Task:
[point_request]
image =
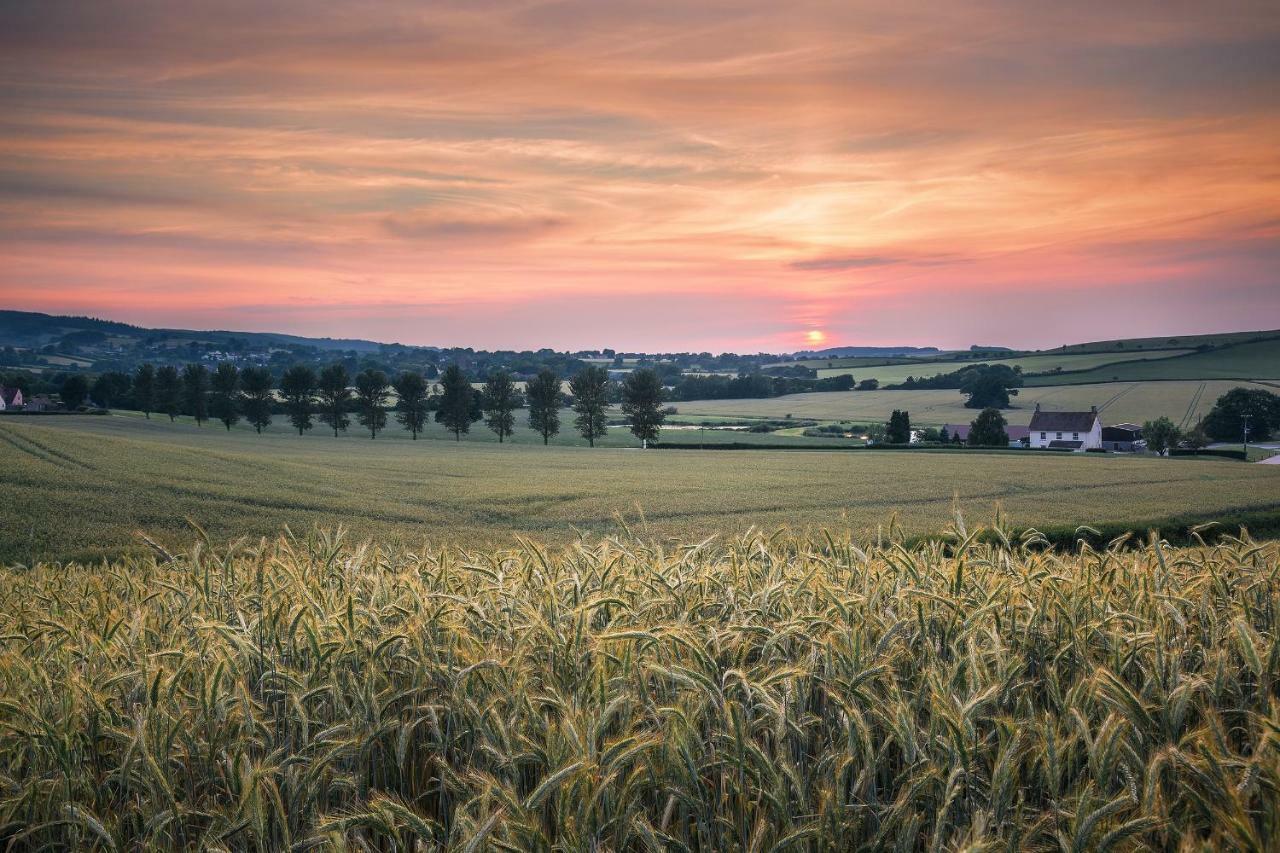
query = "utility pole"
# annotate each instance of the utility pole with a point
(1245, 419)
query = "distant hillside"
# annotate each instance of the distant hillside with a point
(855, 352)
(32, 329)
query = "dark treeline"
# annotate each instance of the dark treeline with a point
(335, 398)
(753, 385)
(985, 385)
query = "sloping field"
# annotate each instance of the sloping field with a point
(1183, 402)
(1259, 360)
(67, 491)
(1173, 341)
(895, 373)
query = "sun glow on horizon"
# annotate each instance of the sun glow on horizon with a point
(815, 336)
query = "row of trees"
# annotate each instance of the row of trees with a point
(228, 394)
(986, 430)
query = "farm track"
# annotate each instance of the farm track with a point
(1115, 397)
(1191, 407)
(43, 451)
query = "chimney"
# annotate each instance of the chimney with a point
(1037, 407)
(1093, 409)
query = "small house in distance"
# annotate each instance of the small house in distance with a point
(1122, 438)
(1018, 435)
(1076, 431)
(10, 398)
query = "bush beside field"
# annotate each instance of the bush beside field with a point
(764, 693)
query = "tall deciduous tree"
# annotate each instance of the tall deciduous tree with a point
(411, 405)
(144, 388)
(256, 396)
(109, 387)
(458, 408)
(989, 386)
(1160, 435)
(74, 391)
(169, 391)
(298, 388)
(590, 389)
(1226, 420)
(224, 402)
(372, 390)
(195, 392)
(898, 429)
(543, 395)
(988, 429)
(334, 397)
(500, 404)
(642, 404)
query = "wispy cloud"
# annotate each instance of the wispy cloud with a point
(758, 169)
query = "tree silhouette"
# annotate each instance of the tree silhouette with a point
(500, 403)
(590, 389)
(458, 402)
(411, 405)
(195, 392)
(224, 402)
(371, 400)
(256, 397)
(642, 404)
(144, 388)
(543, 395)
(169, 391)
(298, 388)
(334, 397)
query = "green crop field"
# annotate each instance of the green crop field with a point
(1172, 341)
(761, 694)
(1183, 402)
(81, 486)
(895, 373)
(1257, 360)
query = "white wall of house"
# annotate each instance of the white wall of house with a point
(1092, 438)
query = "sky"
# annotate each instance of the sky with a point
(727, 176)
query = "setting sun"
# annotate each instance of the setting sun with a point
(815, 336)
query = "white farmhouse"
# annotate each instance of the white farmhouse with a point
(1078, 431)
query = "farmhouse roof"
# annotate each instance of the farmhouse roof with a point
(1043, 421)
(1014, 431)
(8, 394)
(1121, 432)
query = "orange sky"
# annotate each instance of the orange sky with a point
(641, 175)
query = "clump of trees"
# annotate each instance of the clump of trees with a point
(985, 386)
(1226, 420)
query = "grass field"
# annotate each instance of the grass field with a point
(808, 694)
(1183, 402)
(896, 373)
(81, 486)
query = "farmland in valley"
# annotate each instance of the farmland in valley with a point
(1183, 402)
(895, 373)
(81, 486)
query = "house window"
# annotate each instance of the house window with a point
(1043, 436)
(1075, 436)
(1059, 435)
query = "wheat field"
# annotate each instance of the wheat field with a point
(761, 693)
